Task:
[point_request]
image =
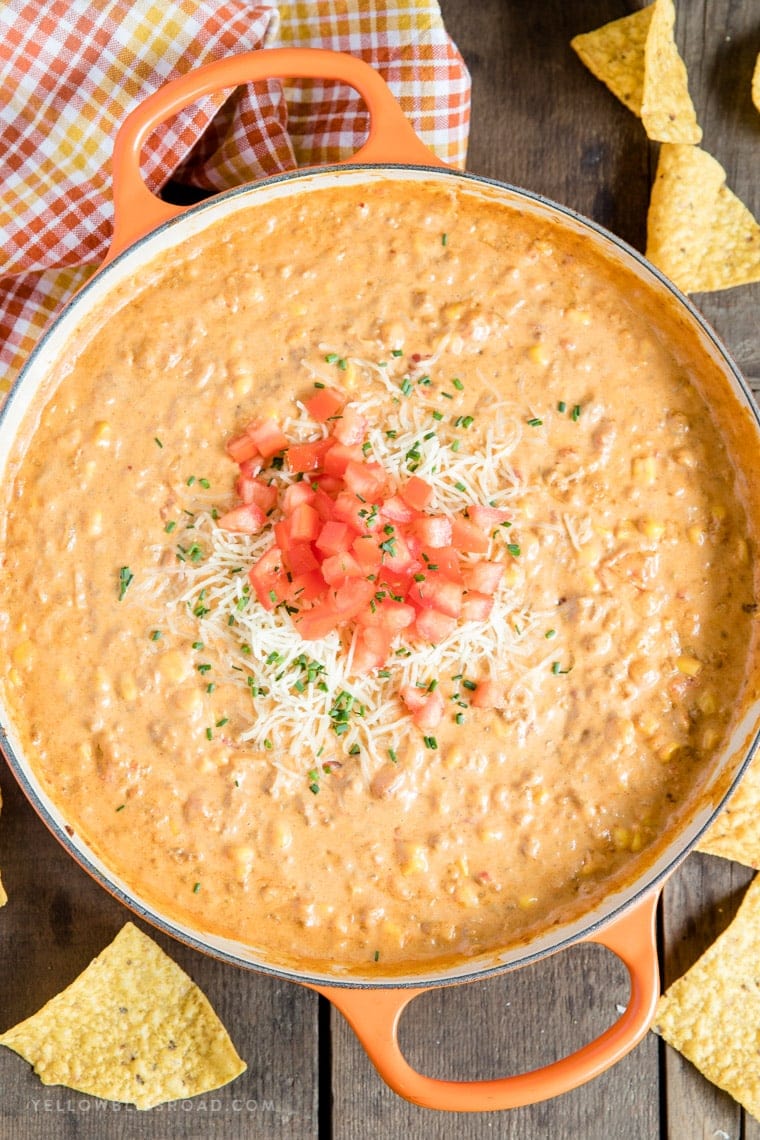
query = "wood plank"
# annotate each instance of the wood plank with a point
(505, 1025)
(56, 920)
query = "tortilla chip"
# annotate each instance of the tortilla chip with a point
(666, 108)
(615, 54)
(698, 232)
(638, 60)
(736, 832)
(712, 1014)
(756, 84)
(132, 1027)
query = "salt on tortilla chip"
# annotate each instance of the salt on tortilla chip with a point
(698, 232)
(735, 833)
(132, 1027)
(615, 54)
(637, 58)
(756, 83)
(712, 1014)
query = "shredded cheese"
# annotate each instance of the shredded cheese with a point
(299, 689)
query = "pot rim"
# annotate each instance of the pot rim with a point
(619, 901)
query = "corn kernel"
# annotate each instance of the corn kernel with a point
(648, 723)
(589, 553)
(706, 702)
(653, 529)
(636, 842)
(242, 384)
(488, 835)
(685, 457)
(581, 317)
(539, 354)
(526, 902)
(644, 469)
(710, 739)
(621, 837)
(96, 524)
(173, 666)
(467, 895)
(718, 511)
(23, 654)
(453, 312)
(463, 864)
(282, 836)
(696, 535)
(101, 680)
(590, 581)
(416, 860)
(689, 666)
(668, 751)
(350, 377)
(14, 677)
(101, 433)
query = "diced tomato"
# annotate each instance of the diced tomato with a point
(316, 622)
(251, 467)
(476, 607)
(330, 484)
(488, 695)
(301, 558)
(437, 593)
(446, 562)
(268, 437)
(352, 510)
(365, 479)
(334, 537)
(487, 517)
(306, 587)
(466, 536)
(388, 614)
(296, 494)
(305, 524)
(367, 553)
(351, 427)
(323, 505)
(371, 648)
(483, 576)
(432, 626)
(337, 568)
(282, 534)
(395, 510)
(339, 456)
(324, 403)
(254, 491)
(248, 519)
(397, 556)
(433, 530)
(301, 457)
(427, 708)
(417, 493)
(353, 596)
(242, 448)
(268, 578)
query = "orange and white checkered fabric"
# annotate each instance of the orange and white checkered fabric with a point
(71, 70)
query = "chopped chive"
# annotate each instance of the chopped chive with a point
(342, 364)
(155, 635)
(550, 633)
(438, 416)
(576, 413)
(125, 578)
(432, 686)
(397, 352)
(444, 239)
(268, 744)
(471, 685)
(513, 549)
(406, 386)
(196, 888)
(562, 406)
(198, 645)
(458, 384)
(210, 687)
(447, 395)
(121, 807)
(157, 441)
(456, 445)
(318, 384)
(460, 487)
(331, 358)
(221, 723)
(377, 952)
(392, 754)
(354, 750)
(170, 526)
(430, 742)
(459, 718)
(203, 668)
(191, 480)
(419, 577)
(209, 734)
(535, 422)
(204, 483)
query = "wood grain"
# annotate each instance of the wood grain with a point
(540, 121)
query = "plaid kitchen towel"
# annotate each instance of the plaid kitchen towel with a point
(71, 70)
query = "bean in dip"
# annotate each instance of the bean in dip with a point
(378, 588)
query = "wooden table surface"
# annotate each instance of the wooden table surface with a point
(542, 122)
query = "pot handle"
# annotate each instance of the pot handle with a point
(374, 1015)
(391, 139)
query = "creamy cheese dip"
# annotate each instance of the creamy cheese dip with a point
(622, 628)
